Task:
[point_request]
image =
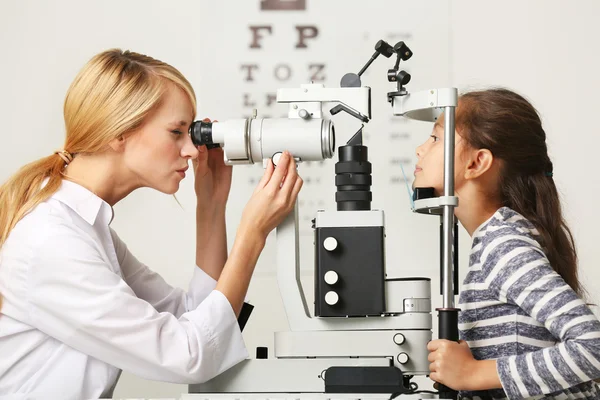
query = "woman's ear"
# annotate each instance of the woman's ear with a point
(478, 163)
(117, 144)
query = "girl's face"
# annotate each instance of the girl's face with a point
(158, 153)
(429, 171)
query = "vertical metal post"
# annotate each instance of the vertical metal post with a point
(448, 314)
(448, 216)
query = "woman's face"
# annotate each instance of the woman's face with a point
(158, 152)
(429, 171)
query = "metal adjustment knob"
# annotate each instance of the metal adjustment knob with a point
(399, 338)
(331, 277)
(330, 244)
(402, 358)
(331, 298)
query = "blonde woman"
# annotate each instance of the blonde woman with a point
(77, 306)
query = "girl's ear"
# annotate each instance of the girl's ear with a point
(478, 163)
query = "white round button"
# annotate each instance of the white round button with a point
(399, 338)
(331, 298)
(303, 114)
(276, 158)
(402, 358)
(330, 244)
(331, 277)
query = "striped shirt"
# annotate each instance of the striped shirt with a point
(518, 310)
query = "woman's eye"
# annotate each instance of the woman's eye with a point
(177, 132)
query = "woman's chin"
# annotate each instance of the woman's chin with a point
(171, 188)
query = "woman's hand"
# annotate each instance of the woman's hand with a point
(452, 364)
(212, 185)
(213, 178)
(273, 198)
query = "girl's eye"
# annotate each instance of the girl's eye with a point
(435, 138)
(177, 132)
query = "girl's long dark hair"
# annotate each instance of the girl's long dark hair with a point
(505, 123)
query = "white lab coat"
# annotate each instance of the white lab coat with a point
(79, 308)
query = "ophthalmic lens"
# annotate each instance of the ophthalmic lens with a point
(201, 134)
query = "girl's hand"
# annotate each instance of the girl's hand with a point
(451, 364)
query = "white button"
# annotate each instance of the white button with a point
(332, 298)
(399, 338)
(330, 244)
(303, 114)
(276, 158)
(331, 277)
(402, 358)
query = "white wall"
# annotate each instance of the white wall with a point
(544, 49)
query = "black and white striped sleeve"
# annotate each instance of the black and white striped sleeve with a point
(519, 273)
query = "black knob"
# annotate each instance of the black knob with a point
(403, 77)
(403, 51)
(383, 48)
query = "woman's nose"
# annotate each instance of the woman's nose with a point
(189, 150)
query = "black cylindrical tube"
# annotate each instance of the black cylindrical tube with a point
(353, 179)
(448, 324)
(448, 329)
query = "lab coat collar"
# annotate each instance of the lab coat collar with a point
(84, 202)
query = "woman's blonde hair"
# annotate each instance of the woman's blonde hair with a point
(111, 96)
